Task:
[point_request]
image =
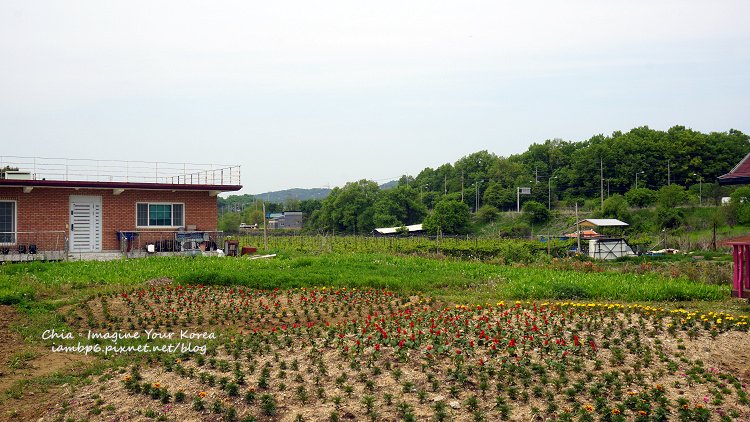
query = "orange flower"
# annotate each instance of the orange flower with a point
(642, 412)
(589, 408)
(615, 411)
(202, 394)
(156, 385)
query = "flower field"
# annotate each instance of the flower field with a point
(330, 354)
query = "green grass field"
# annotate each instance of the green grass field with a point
(445, 278)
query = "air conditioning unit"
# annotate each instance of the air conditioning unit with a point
(16, 175)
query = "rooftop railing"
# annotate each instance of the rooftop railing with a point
(85, 170)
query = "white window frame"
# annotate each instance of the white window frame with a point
(148, 210)
(15, 223)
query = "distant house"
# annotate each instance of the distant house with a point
(393, 231)
(55, 207)
(740, 174)
(285, 220)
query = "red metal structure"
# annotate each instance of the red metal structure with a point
(741, 275)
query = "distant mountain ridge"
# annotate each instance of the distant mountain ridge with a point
(295, 193)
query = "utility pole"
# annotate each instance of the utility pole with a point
(476, 199)
(462, 186)
(265, 232)
(601, 176)
(549, 192)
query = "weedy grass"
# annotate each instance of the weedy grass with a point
(442, 278)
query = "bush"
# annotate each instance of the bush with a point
(671, 196)
(641, 197)
(449, 216)
(669, 218)
(535, 212)
(616, 207)
(487, 214)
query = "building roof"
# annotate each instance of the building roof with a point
(77, 184)
(602, 222)
(739, 175)
(584, 233)
(394, 230)
(32, 172)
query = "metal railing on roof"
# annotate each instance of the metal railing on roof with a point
(86, 170)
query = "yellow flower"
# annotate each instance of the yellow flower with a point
(156, 385)
(127, 378)
(589, 408)
(615, 411)
(202, 394)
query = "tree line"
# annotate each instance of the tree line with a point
(636, 164)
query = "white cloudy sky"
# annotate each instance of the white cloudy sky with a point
(309, 94)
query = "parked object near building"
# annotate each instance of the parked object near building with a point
(69, 208)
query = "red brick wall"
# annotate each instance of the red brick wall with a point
(47, 209)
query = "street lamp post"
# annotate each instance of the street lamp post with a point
(700, 189)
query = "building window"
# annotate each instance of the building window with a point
(7, 221)
(160, 215)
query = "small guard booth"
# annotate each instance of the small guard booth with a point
(605, 246)
(741, 273)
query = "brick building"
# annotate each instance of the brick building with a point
(51, 212)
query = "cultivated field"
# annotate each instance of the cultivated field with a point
(366, 337)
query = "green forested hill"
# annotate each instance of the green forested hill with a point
(559, 173)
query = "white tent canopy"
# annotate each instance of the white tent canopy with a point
(392, 230)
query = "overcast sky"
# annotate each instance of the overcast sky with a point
(318, 93)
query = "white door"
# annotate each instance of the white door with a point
(85, 223)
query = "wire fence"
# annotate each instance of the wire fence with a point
(73, 169)
(33, 245)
